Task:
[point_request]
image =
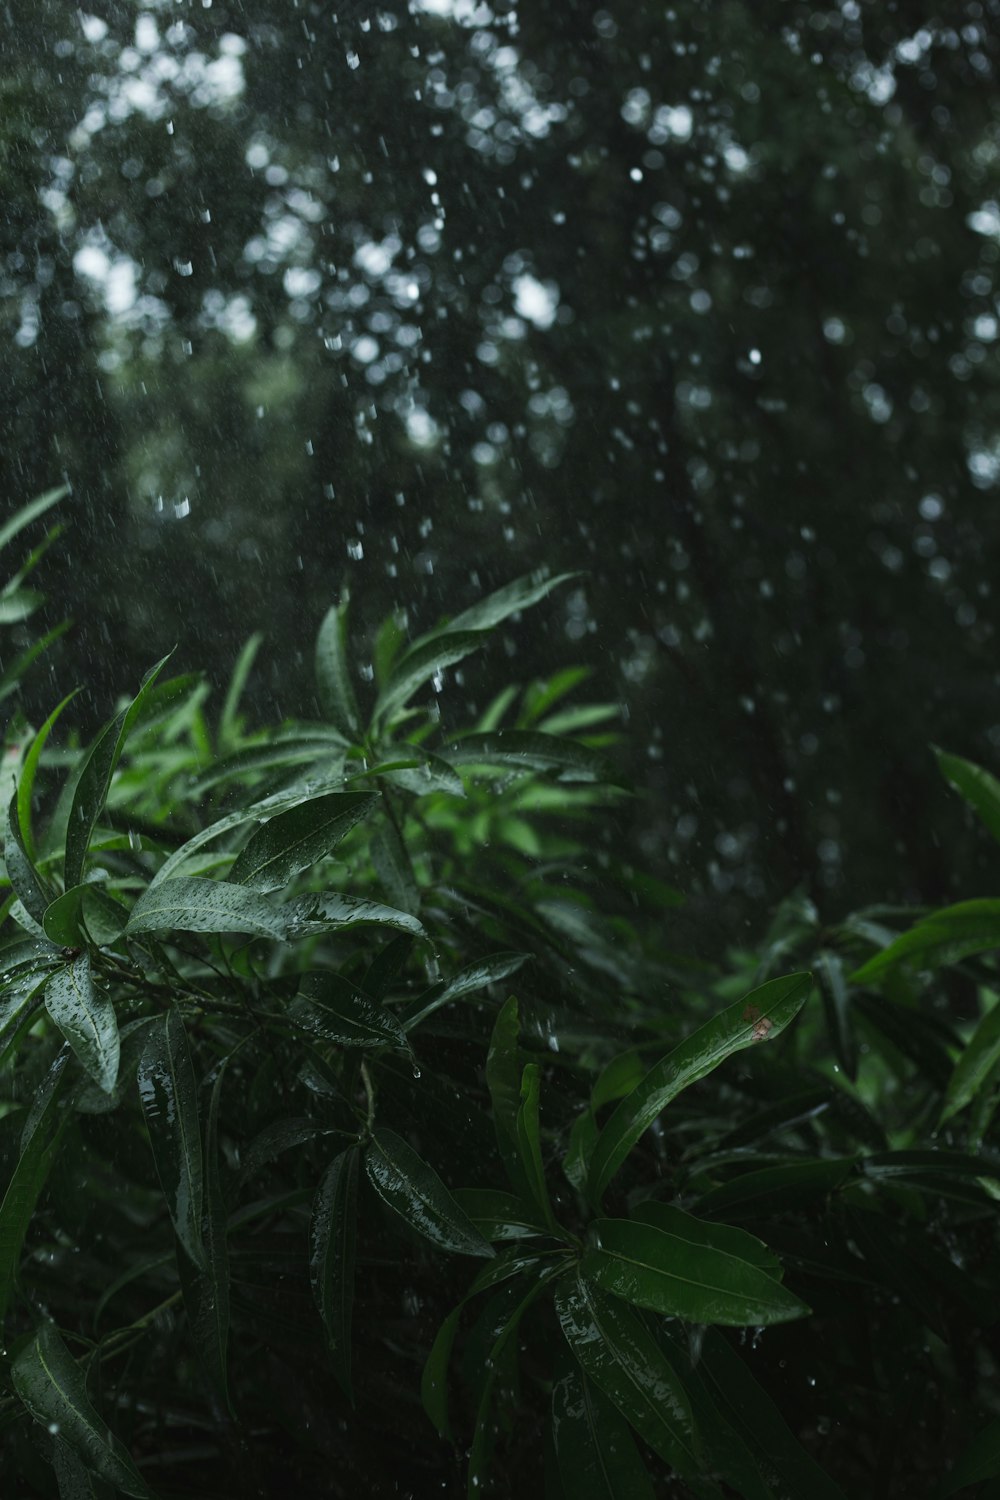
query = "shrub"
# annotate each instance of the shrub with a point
(363, 1133)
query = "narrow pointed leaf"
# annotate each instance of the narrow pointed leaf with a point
(26, 782)
(86, 1018)
(39, 1143)
(20, 871)
(228, 735)
(757, 1018)
(169, 1094)
(975, 1065)
(328, 911)
(414, 1190)
(785, 1186)
(84, 914)
(681, 1276)
(703, 1232)
(945, 937)
(94, 783)
(331, 1261)
(333, 678)
(598, 1459)
(837, 1005)
(295, 840)
(504, 602)
(52, 1386)
(206, 1291)
(331, 1007)
(423, 662)
(976, 785)
(618, 1355)
(503, 1078)
(395, 869)
(532, 750)
(475, 977)
(499, 1215)
(529, 1143)
(190, 903)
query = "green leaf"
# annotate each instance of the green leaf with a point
(395, 869)
(499, 1215)
(30, 512)
(978, 787)
(503, 1078)
(422, 662)
(331, 1261)
(333, 678)
(228, 730)
(526, 750)
(787, 1186)
(700, 1232)
(190, 903)
(52, 1386)
(529, 1143)
(467, 981)
(86, 1018)
(39, 1143)
(169, 1094)
(980, 1057)
(760, 1016)
(482, 1438)
(598, 1459)
(328, 911)
(95, 779)
(84, 914)
(414, 1190)
(680, 1273)
(20, 871)
(294, 840)
(580, 1150)
(981, 1460)
(945, 937)
(206, 1290)
(504, 602)
(624, 1361)
(780, 1457)
(837, 1006)
(333, 1008)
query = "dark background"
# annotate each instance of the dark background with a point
(699, 298)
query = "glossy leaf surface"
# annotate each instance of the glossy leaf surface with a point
(295, 840)
(332, 1237)
(414, 1190)
(681, 1274)
(190, 903)
(52, 1386)
(169, 1094)
(598, 1459)
(86, 1018)
(775, 1005)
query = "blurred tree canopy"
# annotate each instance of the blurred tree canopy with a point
(699, 298)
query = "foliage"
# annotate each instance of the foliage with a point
(361, 1132)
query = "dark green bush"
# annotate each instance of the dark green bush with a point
(363, 1134)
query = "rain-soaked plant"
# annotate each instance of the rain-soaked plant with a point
(363, 1135)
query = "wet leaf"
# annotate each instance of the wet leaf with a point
(414, 1190)
(680, 1273)
(331, 1007)
(26, 781)
(326, 911)
(477, 976)
(977, 786)
(529, 1144)
(771, 1188)
(531, 750)
(499, 1215)
(52, 1386)
(504, 602)
(295, 840)
(623, 1360)
(94, 783)
(39, 1144)
(331, 1261)
(421, 663)
(975, 1065)
(945, 937)
(598, 1459)
(168, 1090)
(333, 678)
(86, 1018)
(190, 903)
(774, 1004)
(20, 871)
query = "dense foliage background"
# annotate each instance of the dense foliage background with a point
(417, 297)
